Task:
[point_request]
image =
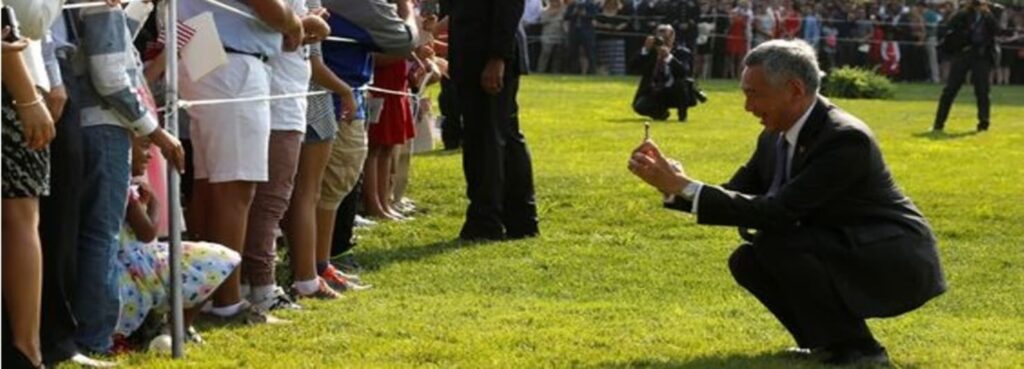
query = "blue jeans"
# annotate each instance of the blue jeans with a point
(107, 151)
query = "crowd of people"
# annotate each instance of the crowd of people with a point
(85, 153)
(899, 38)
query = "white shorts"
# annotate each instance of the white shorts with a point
(230, 141)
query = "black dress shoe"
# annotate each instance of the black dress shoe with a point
(478, 236)
(803, 353)
(858, 357)
(797, 352)
(521, 235)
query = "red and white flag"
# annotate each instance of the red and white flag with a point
(185, 34)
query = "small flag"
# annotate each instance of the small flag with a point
(185, 34)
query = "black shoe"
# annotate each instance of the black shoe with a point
(797, 352)
(682, 116)
(347, 263)
(803, 353)
(482, 230)
(470, 234)
(850, 356)
(662, 116)
(982, 126)
(521, 235)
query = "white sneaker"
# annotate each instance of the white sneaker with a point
(89, 362)
(276, 299)
(361, 222)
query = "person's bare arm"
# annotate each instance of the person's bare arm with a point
(281, 18)
(34, 116)
(143, 215)
(155, 68)
(323, 76)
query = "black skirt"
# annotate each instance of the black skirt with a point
(26, 172)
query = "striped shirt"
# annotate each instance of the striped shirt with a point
(109, 70)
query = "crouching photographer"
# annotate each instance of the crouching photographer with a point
(667, 81)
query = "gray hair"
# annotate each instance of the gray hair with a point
(785, 59)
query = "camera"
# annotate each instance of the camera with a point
(659, 41)
(700, 96)
(430, 7)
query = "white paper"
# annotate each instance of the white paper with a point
(374, 105)
(205, 52)
(33, 57)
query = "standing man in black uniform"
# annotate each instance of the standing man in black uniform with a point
(970, 43)
(487, 57)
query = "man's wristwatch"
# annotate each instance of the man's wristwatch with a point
(690, 191)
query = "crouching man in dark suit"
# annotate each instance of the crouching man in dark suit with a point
(836, 241)
(665, 68)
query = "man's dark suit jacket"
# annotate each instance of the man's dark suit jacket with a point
(487, 28)
(678, 95)
(961, 25)
(841, 204)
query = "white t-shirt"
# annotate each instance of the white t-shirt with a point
(290, 73)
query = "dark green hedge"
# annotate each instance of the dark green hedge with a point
(857, 83)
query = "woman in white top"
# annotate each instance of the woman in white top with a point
(552, 37)
(764, 24)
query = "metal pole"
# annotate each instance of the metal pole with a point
(173, 180)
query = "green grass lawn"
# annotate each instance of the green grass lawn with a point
(616, 281)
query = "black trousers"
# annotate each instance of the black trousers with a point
(344, 223)
(58, 229)
(796, 287)
(451, 126)
(979, 66)
(496, 162)
(656, 105)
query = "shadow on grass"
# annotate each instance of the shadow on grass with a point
(377, 259)
(440, 153)
(737, 361)
(639, 120)
(943, 135)
(629, 120)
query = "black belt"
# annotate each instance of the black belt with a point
(261, 57)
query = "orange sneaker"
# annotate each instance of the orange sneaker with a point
(341, 281)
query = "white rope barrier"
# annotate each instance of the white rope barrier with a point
(341, 39)
(185, 104)
(387, 92)
(233, 10)
(253, 17)
(88, 5)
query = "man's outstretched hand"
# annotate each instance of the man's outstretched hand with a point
(647, 163)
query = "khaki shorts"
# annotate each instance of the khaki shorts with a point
(348, 153)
